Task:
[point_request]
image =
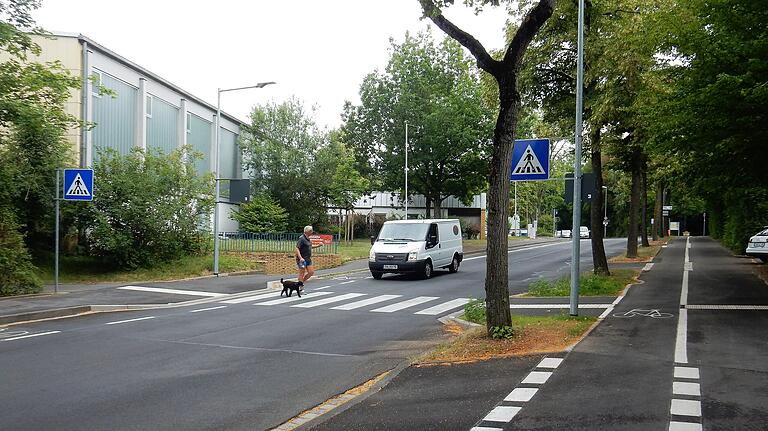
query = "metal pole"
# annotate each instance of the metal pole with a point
(605, 213)
(704, 233)
(575, 234)
(406, 170)
(216, 176)
(56, 254)
(516, 217)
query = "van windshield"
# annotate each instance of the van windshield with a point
(403, 232)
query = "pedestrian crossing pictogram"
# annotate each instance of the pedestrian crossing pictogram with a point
(529, 163)
(78, 187)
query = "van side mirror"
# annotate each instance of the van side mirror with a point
(373, 239)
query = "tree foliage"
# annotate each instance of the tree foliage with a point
(148, 207)
(435, 89)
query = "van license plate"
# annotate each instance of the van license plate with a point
(390, 266)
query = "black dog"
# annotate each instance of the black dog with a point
(289, 286)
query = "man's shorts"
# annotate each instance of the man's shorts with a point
(301, 265)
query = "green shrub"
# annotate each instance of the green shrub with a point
(590, 284)
(262, 215)
(17, 273)
(147, 208)
(474, 311)
(502, 332)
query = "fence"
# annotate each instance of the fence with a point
(269, 243)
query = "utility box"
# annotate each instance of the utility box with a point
(587, 187)
(240, 191)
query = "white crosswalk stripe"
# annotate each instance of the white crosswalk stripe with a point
(442, 308)
(294, 298)
(365, 302)
(329, 300)
(405, 304)
(251, 298)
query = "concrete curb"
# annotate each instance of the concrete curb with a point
(55, 313)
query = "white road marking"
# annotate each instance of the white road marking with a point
(537, 377)
(251, 298)
(364, 302)
(727, 307)
(347, 282)
(522, 395)
(39, 334)
(173, 291)
(442, 308)
(685, 408)
(485, 429)
(405, 304)
(208, 309)
(293, 298)
(681, 343)
(502, 414)
(130, 320)
(545, 306)
(550, 363)
(329, 300)
(684, 291)
(648, 266)
(517, 250)
(688, 266)
(321, 288)
(686, 373)
(686, 388)
(684, 426)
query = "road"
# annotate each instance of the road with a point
(251, 363)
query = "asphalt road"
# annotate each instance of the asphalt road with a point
(247, 364)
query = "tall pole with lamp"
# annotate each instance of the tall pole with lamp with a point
(218, 165)
(576, 246)
(406, 170)
(605, 212)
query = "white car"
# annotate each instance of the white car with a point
(758, 245)
(584, 232)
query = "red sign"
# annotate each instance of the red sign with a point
(318, 239)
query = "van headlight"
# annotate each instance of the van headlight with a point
(412, 255)
(371, 256)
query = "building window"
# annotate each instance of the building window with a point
(97, 78)
(149, 106)
(189, 122)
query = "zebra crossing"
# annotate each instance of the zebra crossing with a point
(320, 298)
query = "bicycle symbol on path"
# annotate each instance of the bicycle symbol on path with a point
(4, 333)
(653, 313)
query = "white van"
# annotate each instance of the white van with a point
(416, 246)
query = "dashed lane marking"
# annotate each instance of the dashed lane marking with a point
(129, 320)
(208, 309)
(39, 334)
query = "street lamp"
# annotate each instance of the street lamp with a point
(218, 164)
(605, 214)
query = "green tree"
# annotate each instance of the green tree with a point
(148, 207)
(262, 215)
(347, 185)
(280, 149)
(505, 71)
(435, 89)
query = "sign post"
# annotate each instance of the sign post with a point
(78, 186)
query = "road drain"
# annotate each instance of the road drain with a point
(330, 404)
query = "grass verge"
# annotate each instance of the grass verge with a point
(89, 270)
(590, 284)
(644, 254)
(532, 334)
(357, 249)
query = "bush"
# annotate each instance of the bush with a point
(262, 215)
(147, 208)
(469, 230)
(17, 273)
(474, 311)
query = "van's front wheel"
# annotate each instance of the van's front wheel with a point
(454, 264)
(427, 270)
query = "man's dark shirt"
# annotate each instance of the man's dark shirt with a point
(305, 246)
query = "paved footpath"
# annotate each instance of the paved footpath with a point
(683, 351)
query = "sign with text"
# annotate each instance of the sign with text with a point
(318, 239)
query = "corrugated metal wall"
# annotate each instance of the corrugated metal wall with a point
(115, 117)
(162, 127)
(229, 154)
(199, 139)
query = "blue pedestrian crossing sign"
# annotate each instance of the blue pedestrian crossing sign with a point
(530, 160)
(78, 184)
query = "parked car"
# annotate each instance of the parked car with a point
(758, 245)
(416, 246)
(565, 233)
(584, 232)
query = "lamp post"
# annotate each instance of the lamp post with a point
(406, 170)
(576, 221)
(218, 164)
(605, 213)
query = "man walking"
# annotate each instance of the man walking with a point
(304, 255)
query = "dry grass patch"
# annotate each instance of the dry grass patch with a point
(644, 254)
(532, 335)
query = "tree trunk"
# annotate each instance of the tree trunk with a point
(644, 215)
(657, 233)
(428, 207)
(438, 207)
(599, 260)
(634, 205)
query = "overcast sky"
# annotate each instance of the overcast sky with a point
(319, 51)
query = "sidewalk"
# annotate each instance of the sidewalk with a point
(74, 299)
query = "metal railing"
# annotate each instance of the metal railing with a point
(245, 242)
